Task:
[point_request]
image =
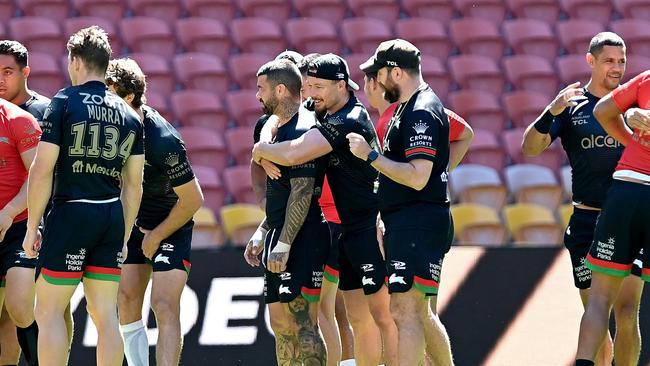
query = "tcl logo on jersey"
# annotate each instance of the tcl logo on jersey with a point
(599, 141)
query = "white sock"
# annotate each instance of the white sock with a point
(136, 345)
(349, 362)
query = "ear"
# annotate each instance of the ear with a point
(590, 59)
(129, 98)
(280, 89)
(26, 70)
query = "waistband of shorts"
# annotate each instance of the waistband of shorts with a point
(83, 200)
(586, 212)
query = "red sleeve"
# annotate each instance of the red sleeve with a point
(26, 132)
(626, 96)
(456, 125)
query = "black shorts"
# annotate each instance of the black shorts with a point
(173, 253)
(415, 247)
(331, 271)
(11, 250)
(622, 231)
(304, 272)
(362, 265)
(82, 239)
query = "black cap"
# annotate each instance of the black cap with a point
(393, 53)
(292, 56)
(331, 67)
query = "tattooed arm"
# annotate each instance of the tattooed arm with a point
(302, 189)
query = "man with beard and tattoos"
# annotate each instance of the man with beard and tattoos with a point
(296, 240)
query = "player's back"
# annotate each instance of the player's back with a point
(96, 132)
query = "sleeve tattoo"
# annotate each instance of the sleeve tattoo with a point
(297, 208)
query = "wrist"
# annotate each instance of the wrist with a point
(281, 247)
(544, 122)
(372, 156)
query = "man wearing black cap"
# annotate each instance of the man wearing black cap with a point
(353, 186)
(412, 198)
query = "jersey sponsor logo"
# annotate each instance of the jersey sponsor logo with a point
(103, 109)
(98, 169)
(285, 276)
(172, 159)
(78, 166)
(161, 258)
(30, 130)
(74, 262)
(4, 140)
(284, 290)
(420, 127)
(21, 254)
(605, 250)
(167, 247)
(444, 177)
(591, 142)
(365, 281)
(367, 267)
(398, 265)
(396, 279)
(179, 170)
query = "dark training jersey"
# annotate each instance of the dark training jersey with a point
(166, 167)
(351, 179)
(419, 129)
(593, 154)
(278, 190)
(96, 132)
(36, 106)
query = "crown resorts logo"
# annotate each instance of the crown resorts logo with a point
(172, 160)
(420, 127)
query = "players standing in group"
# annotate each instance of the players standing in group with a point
(93, 141)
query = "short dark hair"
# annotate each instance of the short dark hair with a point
(126, 77)
(303, 65)
(371, 75)
(603, 39)
(282, 72)
(92, 47)
(17, 50)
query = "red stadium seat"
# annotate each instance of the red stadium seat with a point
(428, 35)
(534, 73)
(523, 106)
(639, 9)
(575, 34)
(332, 10)
(45, 75)
(238, 182)
(492, 10)
(547, 11)
(149, 35)
(72, 25)
(199, 109)
(258, 35)
(166, 10)
(244, 107)
(596, 10)
(573, 68)
(477, 36)
(486, 150)
(636, 34)
(309, 35)
(354, 60)
(635, 65)
(57, 10)
(8, 10)
(111, 10)
(221, 10)
(214, 193)
(204, 35)
(275, 10)
(3, 31)
(552, 157)
(202, 71)
(159, 102)
(480, 108)
(205, 146)
(240, 143)
(531, 37)
(436, 75)
(477, 72)
(243, 68)
(440, 10)
(38, 34)
(159, 75)
(365, 34)
(386, 10)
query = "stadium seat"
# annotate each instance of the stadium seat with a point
(214, 193)
(573, 68)
(480, 108)
(477, 72)
(148, 35)
(486, 150)
(244, 107)
(159, 102)
(331, 10)
(275, 10)
(238, 182)
(523, 106)
(440, 10)
(566, 179)
(635, 33)
(258, 35)
(8, 10)
(575, 34)
(492, 10)
(364, 34)
(552, 157)
(38, 34)
(533, 73)
(111, 10)
(239, 141)
(160, 78)
(435, 74)
(536, 184)
(73, 24)
(309, 35)
(634, 65)
(428, 35)
(243, 68)
(240, 221)
(639, 9)
(596, 10)
(478, 225)
(386, 10)
(166, 10)
(532, 225)
(565, 211)
(202, 71)
(57, 10)
(531, 37)
(354, 60)
(205, 147)
(199, 109)
(45, 75)
(473, 183)
(206, 232)
(477, 36)
(204, 35)
(547, 11)
(221, 10)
